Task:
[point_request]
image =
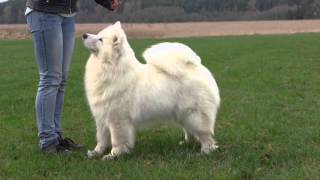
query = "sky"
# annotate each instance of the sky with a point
(3, 1)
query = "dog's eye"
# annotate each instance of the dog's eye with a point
(101, 40)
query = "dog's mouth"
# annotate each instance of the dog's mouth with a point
(90, 44)
(90, 47)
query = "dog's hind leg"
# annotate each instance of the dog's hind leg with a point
(122, 139)
(200, 125)
(103, 141)
(208, 144)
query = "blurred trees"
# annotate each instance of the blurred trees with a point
(180, 10)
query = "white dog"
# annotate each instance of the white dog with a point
(123, 93)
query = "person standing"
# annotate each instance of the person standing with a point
(52, 25)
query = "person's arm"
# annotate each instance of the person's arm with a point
(109, 4)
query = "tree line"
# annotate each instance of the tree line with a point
(180, 10)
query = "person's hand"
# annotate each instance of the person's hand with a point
(109, 4)
(115, 4)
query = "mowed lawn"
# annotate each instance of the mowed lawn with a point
(268, 125)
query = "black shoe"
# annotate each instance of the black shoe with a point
(55, 149)
(69, 144)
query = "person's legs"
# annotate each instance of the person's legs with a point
(68, 33)
(48, 42)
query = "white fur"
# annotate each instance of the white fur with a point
(171, 57)
(124, 94)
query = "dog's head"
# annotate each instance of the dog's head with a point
(107, 44)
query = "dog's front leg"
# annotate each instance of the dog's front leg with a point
(187, 138)
(122, 139)
(103, 141)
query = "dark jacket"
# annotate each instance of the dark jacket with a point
(61, 6)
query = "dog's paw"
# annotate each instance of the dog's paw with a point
(207, 149)
(109, 157)
(183, 142)
(187, 141)
(92, 154)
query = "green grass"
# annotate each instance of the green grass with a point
(268, 126)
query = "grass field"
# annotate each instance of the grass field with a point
(268, 126)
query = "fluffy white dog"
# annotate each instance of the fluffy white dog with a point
(123, 93)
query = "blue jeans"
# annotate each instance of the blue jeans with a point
(53, 37)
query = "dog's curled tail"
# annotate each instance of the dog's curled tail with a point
(173, 58)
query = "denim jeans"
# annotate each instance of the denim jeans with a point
(53, 37)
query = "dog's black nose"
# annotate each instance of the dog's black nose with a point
(85, 36)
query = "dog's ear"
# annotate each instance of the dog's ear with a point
(118, 36)
(117, 25)
(116, 41)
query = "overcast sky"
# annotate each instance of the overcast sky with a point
(3, 1)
